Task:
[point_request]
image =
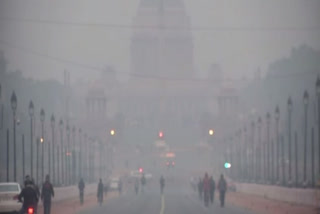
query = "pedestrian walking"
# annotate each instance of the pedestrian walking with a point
(100, 192)
(222, 186)
(47, 193)
(212, 189)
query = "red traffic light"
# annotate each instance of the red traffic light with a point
(140, 170)
(160, 134)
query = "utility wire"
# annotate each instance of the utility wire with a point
(155, 27)
(145, 76)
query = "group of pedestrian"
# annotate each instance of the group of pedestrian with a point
(207, 187)
(30, 195)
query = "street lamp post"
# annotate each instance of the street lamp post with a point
(80, 153)
(42, 117)
(53, 120)
(73, 154)
(289, 140)
(62, 154)
(68, 174)
(23, 157)
(14, 109)
(318, 95)
(306, 103)
(8, 155)
(296, 158)
(253, 151)
(31, 114)
(245, 158)
(312, 157)
(268, 149)
(258, 155)
(37, 163)
(277, 117)
(240, 170)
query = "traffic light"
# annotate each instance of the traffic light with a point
(160, 134)
(141, 170)
(227, 165)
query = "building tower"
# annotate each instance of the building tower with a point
(162, 44)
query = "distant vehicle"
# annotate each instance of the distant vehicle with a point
(114, 184)
(170, 163)
(137, 174)
(9, 197)
(148, 176)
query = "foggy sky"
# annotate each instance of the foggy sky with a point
(243, 34)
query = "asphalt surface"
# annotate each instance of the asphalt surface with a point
(177, 199)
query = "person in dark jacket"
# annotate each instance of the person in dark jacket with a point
(212, 189)
(222, 186)
(29, 196)
(81, 187)
(100, 192)
(47, 193)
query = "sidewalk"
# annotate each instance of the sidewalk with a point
(262, 205)
(71, 206)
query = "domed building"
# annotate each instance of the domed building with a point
(162, 44)
(162, 92)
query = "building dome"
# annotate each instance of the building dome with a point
(164, 4)
(160, 48)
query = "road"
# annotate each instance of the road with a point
(178, 199)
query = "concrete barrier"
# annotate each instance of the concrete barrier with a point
(63, 193)
(291, 195)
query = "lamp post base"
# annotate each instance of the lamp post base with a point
(305, 184)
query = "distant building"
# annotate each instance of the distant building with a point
(162, 44)
(162, 93)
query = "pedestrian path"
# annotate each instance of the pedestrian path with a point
(262, 205)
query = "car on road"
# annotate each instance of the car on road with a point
(113, 184)
(9, 198)
(170, 163)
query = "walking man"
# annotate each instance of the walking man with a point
(222, 186)
(46, 194)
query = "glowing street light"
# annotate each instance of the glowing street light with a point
(211, 132)
(112, 132)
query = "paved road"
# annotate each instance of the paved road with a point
(176, 199)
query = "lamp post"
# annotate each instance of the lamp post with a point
(31, 114)
(240, 169)
(23, 157)
(289, 140)
(268, 149)
(80, 152)
(296, 158)
(42, 117)
(53, 120)
(245, 158)
(62, 153)
(306, 103)
(68, 174)
(318, 95)
(14, 109)
(258, 155)
(277, 117)
(37, 163)
(253, 151)
(73, 154)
